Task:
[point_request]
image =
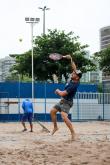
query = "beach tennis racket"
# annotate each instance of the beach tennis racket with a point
(44, 128)
(55, 56)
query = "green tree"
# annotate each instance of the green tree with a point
(44, 68)
(103, 58)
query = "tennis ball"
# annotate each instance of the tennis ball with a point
(20, 40)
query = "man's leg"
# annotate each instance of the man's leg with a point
(31, 127)
(68, 123)
(30, 116)
(23, 122)
(54, 119)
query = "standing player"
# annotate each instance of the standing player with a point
(66, 101)
(28, 114)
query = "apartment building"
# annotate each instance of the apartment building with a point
(5, 65)
(105, 43)
(104, 37)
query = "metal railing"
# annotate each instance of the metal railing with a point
(87, 106)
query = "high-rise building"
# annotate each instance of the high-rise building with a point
(5, 65)
(104, 37)
(105, 43)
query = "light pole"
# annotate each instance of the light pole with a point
(19, 94)
(15, 72)
(43, 9)
(32, 21)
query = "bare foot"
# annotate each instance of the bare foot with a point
(31, 130)
(54, 130)
(73, 137)
(25, 129)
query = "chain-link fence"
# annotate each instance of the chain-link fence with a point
(87, 105)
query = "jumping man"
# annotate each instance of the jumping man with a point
(66, 101)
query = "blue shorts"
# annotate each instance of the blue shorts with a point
(27, 116)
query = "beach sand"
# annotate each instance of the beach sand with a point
(91, 147)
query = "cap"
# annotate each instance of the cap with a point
(79, 73)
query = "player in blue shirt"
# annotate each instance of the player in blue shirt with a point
(66, 101)
(27, 107)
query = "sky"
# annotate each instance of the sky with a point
(83, 17)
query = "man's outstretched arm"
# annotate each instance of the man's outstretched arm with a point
(73, 65)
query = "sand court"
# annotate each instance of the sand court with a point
(92, 144)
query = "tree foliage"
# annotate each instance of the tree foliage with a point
(53, 42)
(103, 58)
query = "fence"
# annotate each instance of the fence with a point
(4, 99)
(87, 106)
(41, 90)
(91, 106)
